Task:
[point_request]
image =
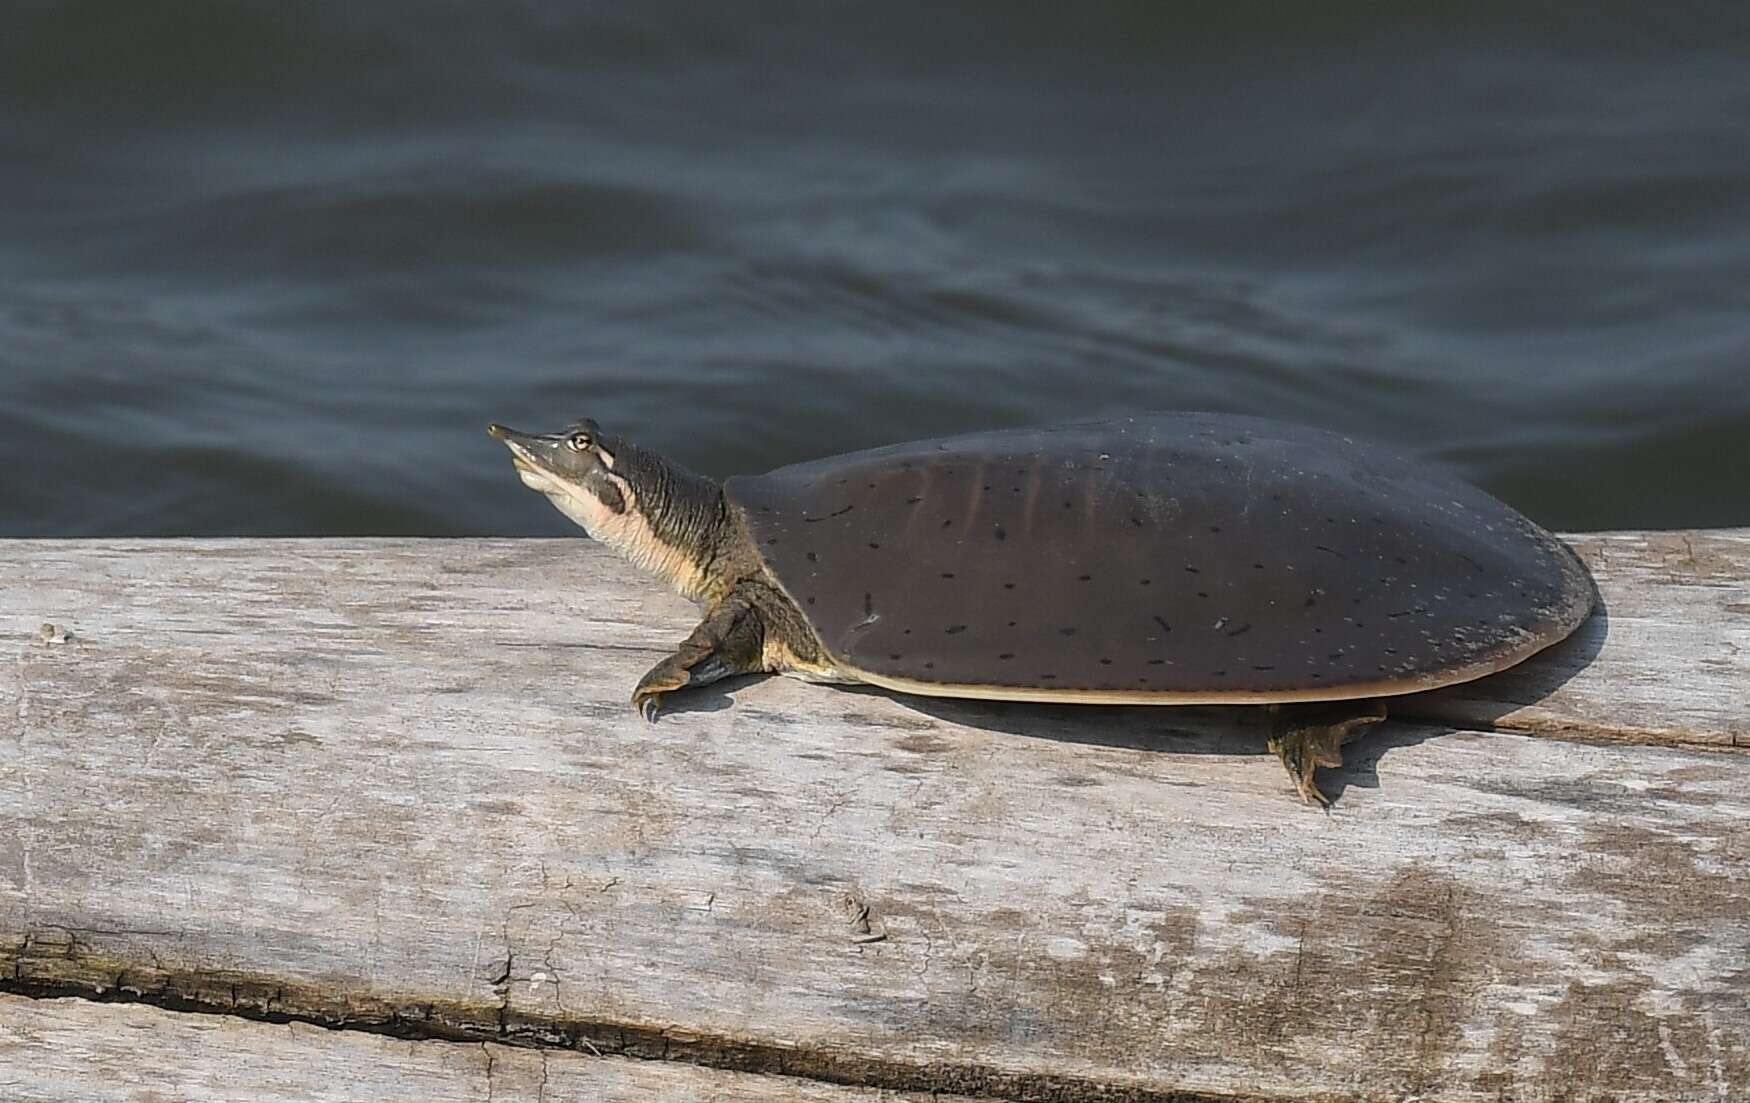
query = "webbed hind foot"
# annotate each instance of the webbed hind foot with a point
(1307, 739)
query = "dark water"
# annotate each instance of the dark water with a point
(269, 268)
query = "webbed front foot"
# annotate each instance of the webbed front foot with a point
(1307, 739)
(727, 642)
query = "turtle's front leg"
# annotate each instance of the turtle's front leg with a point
(1306, 738)
(729, 641)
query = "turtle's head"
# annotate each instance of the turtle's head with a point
(574, 468)
(655, 513)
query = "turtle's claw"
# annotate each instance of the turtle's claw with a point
(1310, 793)
(1305, 747)
(648, 706)
(1292, 748)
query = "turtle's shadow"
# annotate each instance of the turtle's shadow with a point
(1235, 730)
(1483, 703)
(1243, 729)
(712, 697)
(1183, 730)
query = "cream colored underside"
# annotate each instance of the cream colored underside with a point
(1353, 692)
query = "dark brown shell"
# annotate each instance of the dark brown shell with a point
(1177, 558)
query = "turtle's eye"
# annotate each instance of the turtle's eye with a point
(578, 442)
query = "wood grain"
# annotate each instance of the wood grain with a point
(396, 783)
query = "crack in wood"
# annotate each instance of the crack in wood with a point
(248, 998)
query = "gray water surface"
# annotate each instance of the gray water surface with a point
(270, 268)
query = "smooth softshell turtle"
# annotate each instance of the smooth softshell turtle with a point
(1162, 559)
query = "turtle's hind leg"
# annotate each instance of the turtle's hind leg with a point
(729, 641)
(1306, 738)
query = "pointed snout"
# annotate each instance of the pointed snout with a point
(545, 453)
(531, 449)
(519, 442)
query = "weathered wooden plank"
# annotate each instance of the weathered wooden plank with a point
(73, 1051)
(398, 780)
(1666, 658)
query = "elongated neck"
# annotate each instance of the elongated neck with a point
(672, 523)
(688, 514)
